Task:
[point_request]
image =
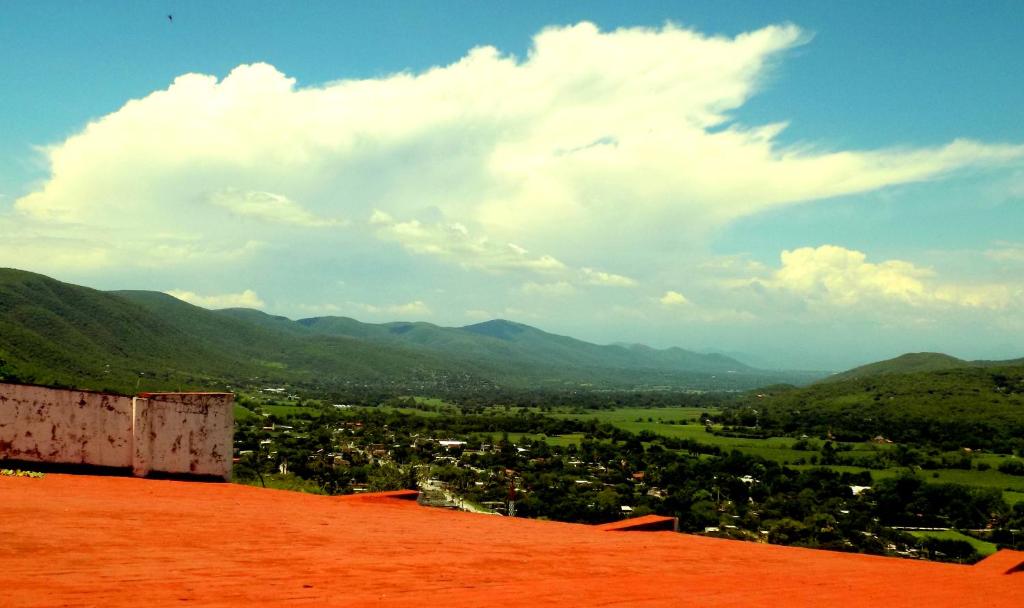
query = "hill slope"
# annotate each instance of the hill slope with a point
(904, 364)
(505, 343)
(56, 333)
(951, 404)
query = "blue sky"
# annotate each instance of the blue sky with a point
(617, 178)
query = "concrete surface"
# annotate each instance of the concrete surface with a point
(183, 433)
(41, 424)
(175, 433)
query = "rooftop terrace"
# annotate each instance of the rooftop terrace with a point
(120, 541)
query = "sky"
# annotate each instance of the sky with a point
(806, 185)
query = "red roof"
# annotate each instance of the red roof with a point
(113, 541)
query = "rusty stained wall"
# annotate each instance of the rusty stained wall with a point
(65, 426)
(187, 433)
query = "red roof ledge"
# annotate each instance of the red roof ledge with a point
(410, 495)
(169, 394)
(644, 523)
(1006, 561)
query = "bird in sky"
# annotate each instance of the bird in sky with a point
(170, 18)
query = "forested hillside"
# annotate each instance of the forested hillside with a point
(973, 406)
(57, 333)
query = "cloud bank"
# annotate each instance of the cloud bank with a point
(593, 171)
(245, 299)
(593, 136)
(833, 277)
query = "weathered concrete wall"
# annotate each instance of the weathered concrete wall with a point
(63, 426)
(177, 433)
(183, 433)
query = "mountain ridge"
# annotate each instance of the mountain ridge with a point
(909, 363)
(55, 332)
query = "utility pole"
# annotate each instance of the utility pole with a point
(511, 510)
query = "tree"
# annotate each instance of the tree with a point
(388, 476)
(949, 549)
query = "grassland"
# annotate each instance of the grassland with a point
(555, 440)
(243, 413)
(1013, 497)
(684, 423)
(284, 411)
(668, 422)
(983, 548)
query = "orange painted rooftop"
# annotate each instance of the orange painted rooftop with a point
(72, 540)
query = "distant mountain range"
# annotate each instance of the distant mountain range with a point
(57, 333)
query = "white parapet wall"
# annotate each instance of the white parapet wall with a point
(42, 424)
(172, 433)
(189, 433)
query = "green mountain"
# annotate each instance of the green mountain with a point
(915, 362)
(505, 343)
(923, 398)
(56, 333)
(904, 364)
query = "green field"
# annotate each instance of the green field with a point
(987, 479)
(241, 413)
(556, 440)
(411, 411)
(284, 411)
(435, 402)
(1013, 487)
(780, 449)
(660, 421)
(628, 416)
(1012, 497)
(983, 548)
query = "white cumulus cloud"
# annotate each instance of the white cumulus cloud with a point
(615, 137)
(454, 242)
(597, 277)
(840, 277)
(557, 288)
(266, 206)
(245, 299)
(410, 310)
(673, 298)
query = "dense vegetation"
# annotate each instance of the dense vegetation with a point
(966, 407)
(604, 472)
(911, 363)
